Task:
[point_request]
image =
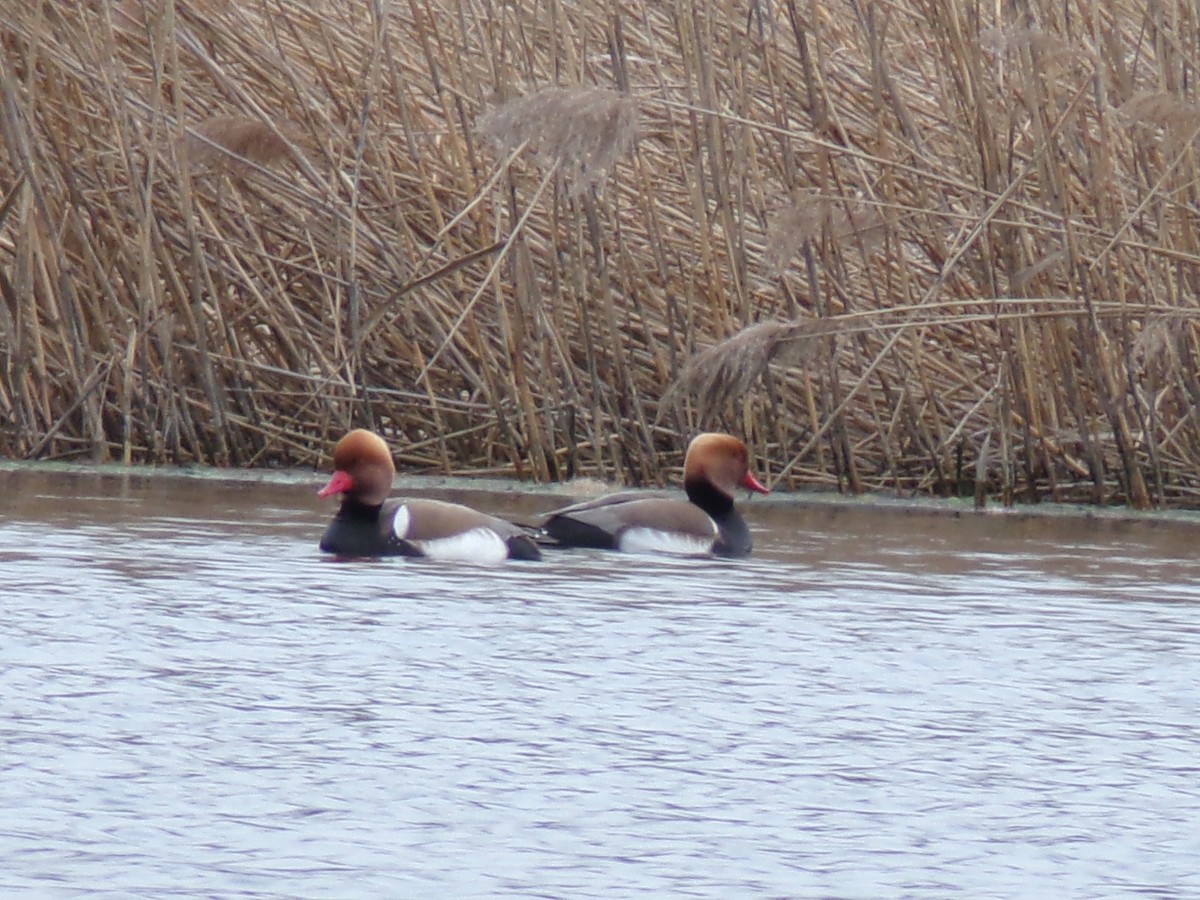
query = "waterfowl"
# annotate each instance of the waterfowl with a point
(369, 524)
(715, 466)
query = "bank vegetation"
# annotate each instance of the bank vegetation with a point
(926, 247)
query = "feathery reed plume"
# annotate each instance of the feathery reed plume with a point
(791, 228)
(583, 130)
(809, 216)
(232, 141)
(730, 368)
(1051, 50)
(1154, 351)
(1175, 119)
(1169, 112)
(1157, 108)
(859, 220)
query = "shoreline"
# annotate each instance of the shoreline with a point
(587, 487)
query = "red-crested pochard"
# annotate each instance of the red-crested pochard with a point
(368, 524)
(716, 465)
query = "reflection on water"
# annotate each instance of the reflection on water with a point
(193, 702)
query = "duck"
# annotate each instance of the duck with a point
(369, 524)
(705, 524)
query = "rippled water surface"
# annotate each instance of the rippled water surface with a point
(194, 703)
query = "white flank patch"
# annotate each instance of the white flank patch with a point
(401, 522)
(670, 543)
(479, 545)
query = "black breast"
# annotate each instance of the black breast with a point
(734, 539)
(357, 530)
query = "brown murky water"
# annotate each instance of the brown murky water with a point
(195, 703)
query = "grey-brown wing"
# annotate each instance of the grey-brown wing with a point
(431, 520)
(453, 531)
(590, 524)
(617, 499)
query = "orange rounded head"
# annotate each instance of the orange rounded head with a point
(722, 461)
(363, 468)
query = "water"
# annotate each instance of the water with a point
(194, 703)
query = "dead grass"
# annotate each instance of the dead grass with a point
(895, 247)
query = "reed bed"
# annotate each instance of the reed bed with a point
(922, 247)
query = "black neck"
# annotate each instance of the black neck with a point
(714, 502)
(353, 508)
